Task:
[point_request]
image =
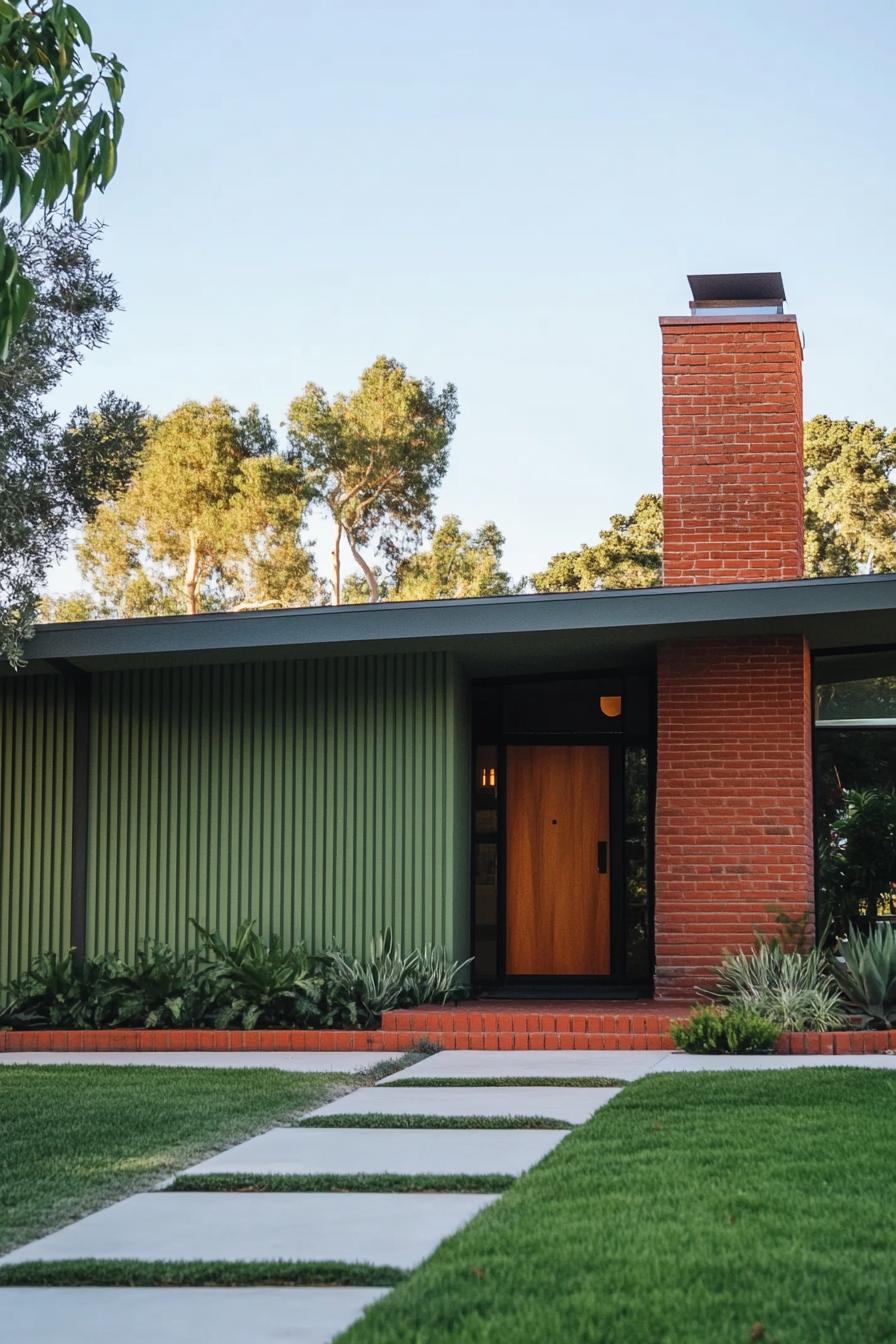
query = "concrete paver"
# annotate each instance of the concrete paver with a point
(294, 1061)
(181, 1315)
(573, 1104)
(399, 1230)
(624, 1064)
(674, 1063)
(396, 1152)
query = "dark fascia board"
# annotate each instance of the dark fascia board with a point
(831, 612)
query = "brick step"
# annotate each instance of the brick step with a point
(637, 1022)
(407, 1038)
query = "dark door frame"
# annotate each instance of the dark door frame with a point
(617, 742)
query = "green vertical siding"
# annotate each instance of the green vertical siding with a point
(325, 798)
(36, 740)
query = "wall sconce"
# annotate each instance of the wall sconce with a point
(488, 777)
(611, 706)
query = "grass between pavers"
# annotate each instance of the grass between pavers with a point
(693, 1209)
(197, 1274)
(505, 1082)
(365, 1184)
(378, 1121)
(74, 1137)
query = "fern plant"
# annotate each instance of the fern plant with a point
(864, 967)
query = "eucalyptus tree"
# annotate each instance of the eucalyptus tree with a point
(374, 458)
(212, 520)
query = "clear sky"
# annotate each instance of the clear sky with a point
(503, 195)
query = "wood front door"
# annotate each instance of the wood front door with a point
(558, 861)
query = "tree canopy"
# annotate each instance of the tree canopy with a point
(457, 563)
(212, 519)
(628, 554)
(60, 126)
(374, 458)
(850, 497)
(53, 475)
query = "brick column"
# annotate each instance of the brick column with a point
(734, 800)
(734, 770)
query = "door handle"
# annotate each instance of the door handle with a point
(601, 856)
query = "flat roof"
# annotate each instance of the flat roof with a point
(493, 635)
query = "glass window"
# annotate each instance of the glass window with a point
(856, 688)
(485, 863)
(855, 826)
(636, 861)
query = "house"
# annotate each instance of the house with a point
(593, 792)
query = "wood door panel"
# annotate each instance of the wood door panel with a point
(558, 904)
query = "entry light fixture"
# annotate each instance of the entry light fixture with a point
(611, 706)
(488, 777)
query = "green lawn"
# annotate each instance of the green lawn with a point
(694, 1209)
(74, 1137)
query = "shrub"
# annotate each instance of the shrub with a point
(253, 984)
(162, 989)
(718, 1031)
(60, 992)
(796, 992)
(364, 990)
(864, 967)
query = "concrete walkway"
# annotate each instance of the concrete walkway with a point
(293, 1061)
(399, 1229)
(180, 1315)
(625, 1065)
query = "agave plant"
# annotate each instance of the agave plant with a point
(794, 991)
(260, 984)
(864, 967)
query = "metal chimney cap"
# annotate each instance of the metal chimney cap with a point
(762, 287)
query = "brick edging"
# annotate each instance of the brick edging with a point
(836, 1042)
(137, 1039)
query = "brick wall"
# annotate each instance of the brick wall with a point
(734, 799)
(732, 449)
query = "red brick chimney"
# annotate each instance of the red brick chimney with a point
(732, 435)
(734, 771)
